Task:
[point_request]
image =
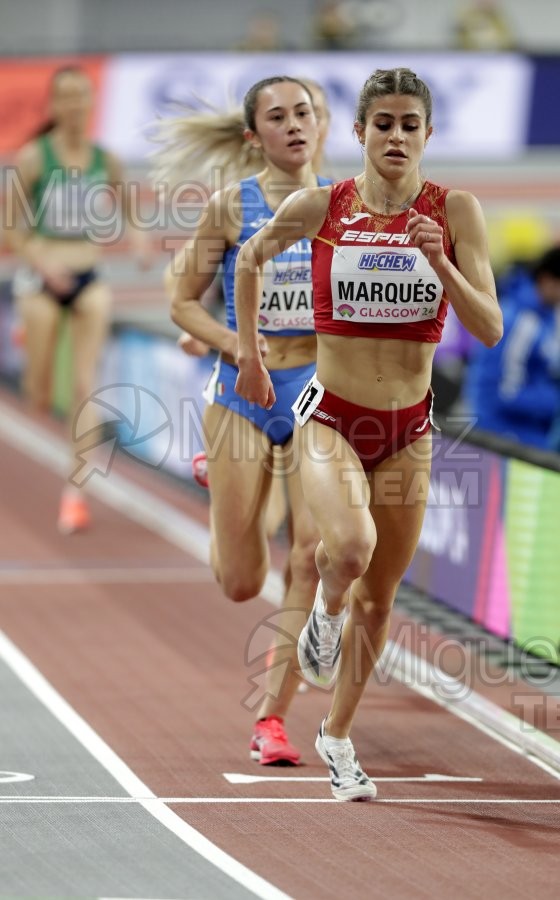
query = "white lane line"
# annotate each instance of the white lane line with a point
(14, 777)
(148, 802)
(130, 500)
(235, 778)
(120, 494)
(155, 575)
(477, 801)
(451, 694)
(125, 777)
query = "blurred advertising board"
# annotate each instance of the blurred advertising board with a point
(24, 87)
(482, 102)
(489, 543)
(151, 392)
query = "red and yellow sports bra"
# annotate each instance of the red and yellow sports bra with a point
(368, 279)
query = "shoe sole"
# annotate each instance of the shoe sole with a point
(274, 761)
(346, 797)
(72, 529)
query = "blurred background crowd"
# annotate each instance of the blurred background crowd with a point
(494, 68)
(59, 26)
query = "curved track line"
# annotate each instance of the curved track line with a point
(139, 792)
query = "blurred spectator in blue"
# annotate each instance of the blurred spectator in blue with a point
(554, 436)
(483, 25)
(513, 389)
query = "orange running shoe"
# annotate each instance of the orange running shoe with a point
(73, 514)
(270, 745)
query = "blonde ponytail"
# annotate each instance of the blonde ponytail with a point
(207, 146)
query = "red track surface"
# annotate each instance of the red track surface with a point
(156, 667)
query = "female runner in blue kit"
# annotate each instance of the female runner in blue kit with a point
(281, 130)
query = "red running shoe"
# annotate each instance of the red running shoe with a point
(270, 745)
(200, 469)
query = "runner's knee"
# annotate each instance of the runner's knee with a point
(350, 553)
(240, 587)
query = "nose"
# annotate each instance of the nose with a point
(397, 135)
(294, 123)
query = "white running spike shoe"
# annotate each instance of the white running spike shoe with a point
(319, 644)
(348, 780)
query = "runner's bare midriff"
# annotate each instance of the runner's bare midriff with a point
(373, 372)
(75, 254)
(287, 352)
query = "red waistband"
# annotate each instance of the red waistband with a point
(339, 406)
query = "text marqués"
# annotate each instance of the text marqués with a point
(388, 292)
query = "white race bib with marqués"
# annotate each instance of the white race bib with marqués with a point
(383, 284)
(287, 298)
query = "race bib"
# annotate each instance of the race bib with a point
(209, 392)
(308, 400)
(287, 298)
(383, 284)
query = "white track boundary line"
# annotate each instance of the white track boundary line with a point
(100, 751)
(120, 494)
(154, 575)
(235, 778)
(193, 801)
(505, 728)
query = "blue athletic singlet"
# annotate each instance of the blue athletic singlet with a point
(287, 300)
